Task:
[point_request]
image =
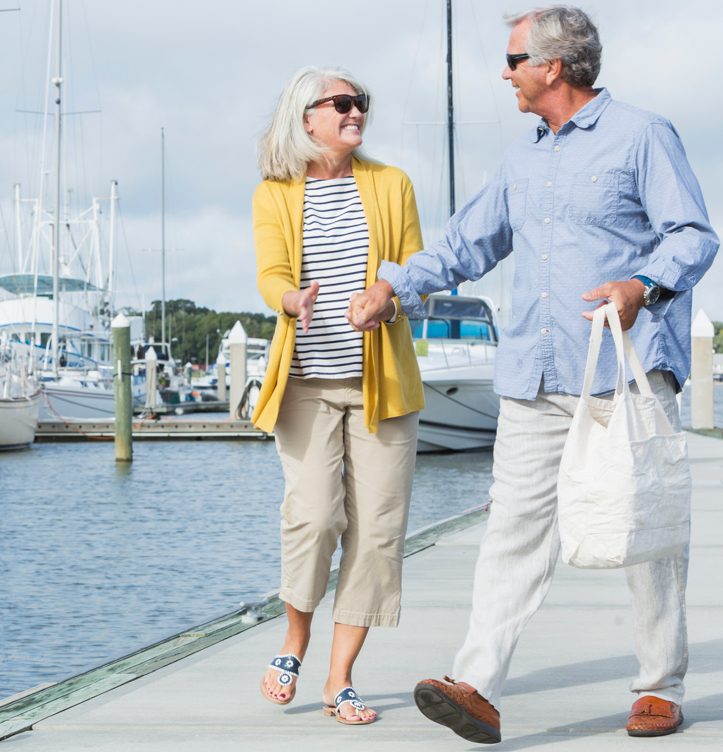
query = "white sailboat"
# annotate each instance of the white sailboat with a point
(59, 300)
(19, 399)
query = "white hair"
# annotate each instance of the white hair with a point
(567, 33)
(285, 149)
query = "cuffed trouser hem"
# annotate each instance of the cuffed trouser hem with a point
(300, 604)
(360, 619)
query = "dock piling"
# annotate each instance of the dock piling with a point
(237, 341)
(123, 398)
(221, 371)
(151, 378)
(701, 372)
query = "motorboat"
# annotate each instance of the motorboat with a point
(456, 346)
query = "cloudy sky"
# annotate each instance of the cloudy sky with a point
(209, 73)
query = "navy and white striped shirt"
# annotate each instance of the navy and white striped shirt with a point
(335, 251)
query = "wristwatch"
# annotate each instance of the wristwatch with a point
(651, 291)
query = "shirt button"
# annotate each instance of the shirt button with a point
(557, 148)
(594, 178)
(549, 183)
(543, 295)
(545, 330)
(547, 220)
(544, 257)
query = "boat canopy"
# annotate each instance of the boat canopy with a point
(456, 317)
(25, 284)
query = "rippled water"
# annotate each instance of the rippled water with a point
(98, 560)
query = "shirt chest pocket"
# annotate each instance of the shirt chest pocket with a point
(595, 198)
(517, 203)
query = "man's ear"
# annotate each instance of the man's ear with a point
(554, 70)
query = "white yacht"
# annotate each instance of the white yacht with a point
(456, 346)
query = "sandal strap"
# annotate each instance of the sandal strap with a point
(287, 665)
(348, 694)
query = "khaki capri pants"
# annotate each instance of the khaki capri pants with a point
(342, 481)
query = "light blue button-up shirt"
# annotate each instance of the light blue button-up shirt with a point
(610, 195)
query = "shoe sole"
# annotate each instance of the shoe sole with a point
(436, 706)
(665, 732)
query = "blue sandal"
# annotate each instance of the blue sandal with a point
(288, 667)
(348, 694)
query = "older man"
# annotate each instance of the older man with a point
(597, 202)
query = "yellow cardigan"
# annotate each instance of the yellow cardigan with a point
(391, 383)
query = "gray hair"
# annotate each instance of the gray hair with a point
(565, 32)
(285, 149)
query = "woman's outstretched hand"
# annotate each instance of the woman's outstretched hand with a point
(300, 304)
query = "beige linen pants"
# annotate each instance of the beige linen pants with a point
(521, 546)
(342, 481)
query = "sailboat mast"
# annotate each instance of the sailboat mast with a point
(57, 82)
(450, 110)
(163, 238)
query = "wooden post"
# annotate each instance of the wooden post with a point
(237, 345)
(221, 371)
(123, 399)
(701, 372)
(151, 378)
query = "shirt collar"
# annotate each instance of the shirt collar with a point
(585, 117)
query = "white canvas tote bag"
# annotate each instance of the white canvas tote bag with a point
(624, 482)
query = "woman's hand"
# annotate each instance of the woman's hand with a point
(300, 304)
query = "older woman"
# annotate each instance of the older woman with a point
(343, 404)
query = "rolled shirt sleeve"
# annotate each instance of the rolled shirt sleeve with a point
(672, 199)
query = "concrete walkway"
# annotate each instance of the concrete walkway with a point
(567, 688)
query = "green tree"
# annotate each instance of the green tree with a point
(188, 326)
(718, 336)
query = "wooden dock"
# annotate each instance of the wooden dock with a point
(149, 428)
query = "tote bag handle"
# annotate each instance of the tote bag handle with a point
(623, 347)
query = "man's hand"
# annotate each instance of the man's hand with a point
(300, 303)
(369, 308)
(627, 297)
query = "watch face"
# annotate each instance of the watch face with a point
(651, 295)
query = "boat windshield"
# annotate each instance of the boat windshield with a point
(456, 317)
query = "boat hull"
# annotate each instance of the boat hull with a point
(18, 421)
(76, 402)
(460, 413)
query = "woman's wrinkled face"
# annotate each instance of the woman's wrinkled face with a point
(340, 133)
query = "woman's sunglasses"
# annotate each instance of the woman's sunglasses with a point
(343, 102)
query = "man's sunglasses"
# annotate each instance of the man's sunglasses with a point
(343, 102)
(513, 60)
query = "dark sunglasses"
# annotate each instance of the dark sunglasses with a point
(343, 102)
(513, 60)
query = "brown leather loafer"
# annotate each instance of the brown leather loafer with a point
(459, 708)
(651, 716)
